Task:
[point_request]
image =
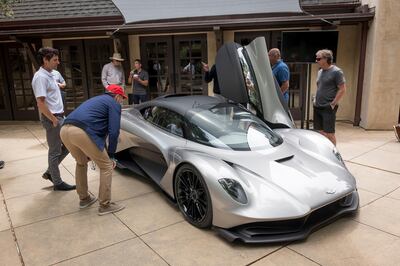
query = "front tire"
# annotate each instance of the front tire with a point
(192, 196)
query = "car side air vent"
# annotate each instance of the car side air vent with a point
(230, 164)
(284, 159)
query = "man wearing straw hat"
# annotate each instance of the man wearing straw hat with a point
(113, 73)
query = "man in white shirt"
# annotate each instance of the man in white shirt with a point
(113, 73)
(51, 108)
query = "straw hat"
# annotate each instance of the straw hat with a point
(117, 56)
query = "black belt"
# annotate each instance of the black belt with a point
(59, 114)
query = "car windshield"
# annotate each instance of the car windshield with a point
(229, 126)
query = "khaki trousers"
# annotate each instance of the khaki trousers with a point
(81, 147)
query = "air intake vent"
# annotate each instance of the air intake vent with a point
(284, 159)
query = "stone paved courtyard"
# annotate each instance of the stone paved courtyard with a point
(39, 226)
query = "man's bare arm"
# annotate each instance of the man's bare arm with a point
(141, 81)
(285, 86)
(130, 78)
(144, 82)
(43, 109)
(62, 85)
(339, 94)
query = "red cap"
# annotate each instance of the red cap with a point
(115, 89)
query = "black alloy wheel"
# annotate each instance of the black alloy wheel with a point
(193, 197)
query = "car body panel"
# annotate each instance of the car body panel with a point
(245, 76)
(285, 182)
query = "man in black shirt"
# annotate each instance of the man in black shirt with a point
(211, 75)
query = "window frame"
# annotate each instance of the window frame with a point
(167, 110)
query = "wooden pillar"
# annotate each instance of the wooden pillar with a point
(361, 71)
(219, 39)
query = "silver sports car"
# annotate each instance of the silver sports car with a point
(237, 163)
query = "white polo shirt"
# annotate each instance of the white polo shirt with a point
(44, 85)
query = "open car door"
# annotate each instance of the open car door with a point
(245, 76)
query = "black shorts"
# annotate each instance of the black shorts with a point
(324, 118)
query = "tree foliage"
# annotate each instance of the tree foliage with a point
(6, 7)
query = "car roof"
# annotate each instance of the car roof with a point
(181, 104)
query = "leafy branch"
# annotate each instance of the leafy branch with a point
(6, 7)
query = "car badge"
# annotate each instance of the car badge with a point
(331, 191)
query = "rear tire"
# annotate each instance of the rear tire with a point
(192, 196)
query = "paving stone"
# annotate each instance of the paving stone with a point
(8, 250)
(61, 238)
(131, 252)
(347, 242)
(183, 244)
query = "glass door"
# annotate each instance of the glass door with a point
(190, 51)
(97, 53)
(5, 107)
(18, 79)
(157, 60)
(174, 64)
(72, 68)
(81, 64)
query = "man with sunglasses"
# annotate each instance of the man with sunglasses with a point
(331, 86)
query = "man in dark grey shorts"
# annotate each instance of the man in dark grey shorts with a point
(331, 86)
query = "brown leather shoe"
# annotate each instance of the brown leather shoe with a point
(47, 176)
(64, 187)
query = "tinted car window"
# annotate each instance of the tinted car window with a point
(166, 119)
(228, 126)
(250, 80)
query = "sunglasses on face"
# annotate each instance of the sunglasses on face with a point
(318, 58)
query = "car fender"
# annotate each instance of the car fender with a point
(265, 201)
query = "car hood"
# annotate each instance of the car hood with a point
(310, 179)
(245, 76)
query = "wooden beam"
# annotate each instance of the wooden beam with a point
(31, 54)
(361, 71)
(29, 50)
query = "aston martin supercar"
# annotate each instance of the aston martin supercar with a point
(236, 162)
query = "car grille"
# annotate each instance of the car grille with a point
(294, 229)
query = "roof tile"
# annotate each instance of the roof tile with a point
(53, 9)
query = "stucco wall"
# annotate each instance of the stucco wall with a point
(47, 42)
(229, 36)
(381, 94)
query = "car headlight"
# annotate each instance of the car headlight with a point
(337, 155)
(234, 189)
